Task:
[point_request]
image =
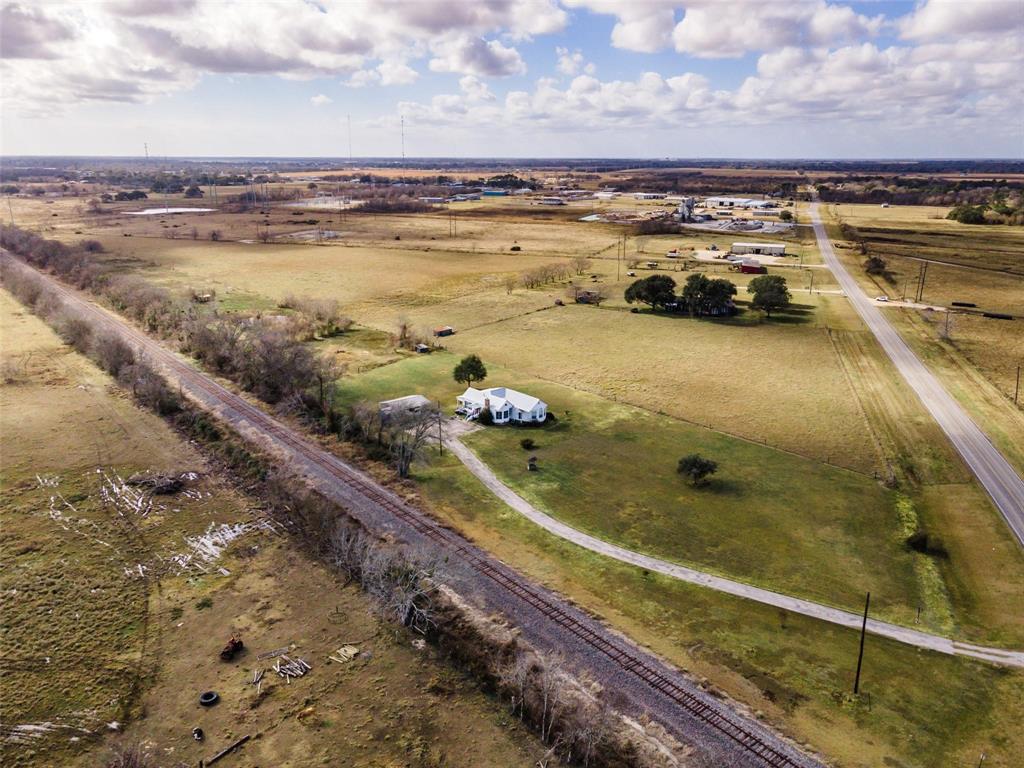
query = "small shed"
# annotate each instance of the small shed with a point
(444, 330)
(752, 267)
(422, 348)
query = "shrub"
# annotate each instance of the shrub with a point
(921, 541)
(528, 443)
(112, 353)
(74, 330)
(696, 467)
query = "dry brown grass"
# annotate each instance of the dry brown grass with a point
(88, 642)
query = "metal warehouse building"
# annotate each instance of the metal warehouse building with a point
(764, 249)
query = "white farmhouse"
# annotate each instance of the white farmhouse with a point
(506, 405)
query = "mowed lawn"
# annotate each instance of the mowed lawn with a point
(768, 517)
(773, 382)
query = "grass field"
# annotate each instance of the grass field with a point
(768, 517)
(779, 383)
(90, 640)
(921, 710)
(977, 358)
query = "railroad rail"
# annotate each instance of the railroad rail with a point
(629, 662)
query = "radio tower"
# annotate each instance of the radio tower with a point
(403, 139)
(145, 147)
(349, 139)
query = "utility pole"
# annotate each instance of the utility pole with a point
(811, 288)
(403, 139)
(145, 149)
(440, 441)
(860, 655)
(10, 208)
(920, 285)
(1016, 389)
(349, 117)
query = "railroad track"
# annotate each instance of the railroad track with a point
(729, 725)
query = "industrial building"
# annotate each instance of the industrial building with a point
(761, 249)
(737, 202)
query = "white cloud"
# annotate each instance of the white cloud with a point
(464, 54)
(898, 88)
(475, 90)
(572, 62)
(938, 19)
(62, 52)
(712, 29)
(320, 100)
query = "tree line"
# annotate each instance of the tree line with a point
(703, 295)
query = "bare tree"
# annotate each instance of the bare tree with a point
(580, 264)
(112, 353)
(515, 676)
(548, 683)
(408, 435)
(367, 420)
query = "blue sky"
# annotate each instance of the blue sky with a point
(698, 78)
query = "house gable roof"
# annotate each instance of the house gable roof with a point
(499, 396)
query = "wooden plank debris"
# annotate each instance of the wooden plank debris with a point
(345, 654)
(228, 750)
(274, 654)
(289, 668)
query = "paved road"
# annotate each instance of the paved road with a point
(993, 471)
(719, 583)
(643, 683)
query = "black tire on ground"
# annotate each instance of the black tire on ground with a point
(209, 698)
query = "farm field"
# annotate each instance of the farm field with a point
(382, 280)
(98, 590)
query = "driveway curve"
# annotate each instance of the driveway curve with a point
(719, 583)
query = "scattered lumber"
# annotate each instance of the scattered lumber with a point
(273, 654)
(289, 668)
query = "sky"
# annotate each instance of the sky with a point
(507, 78)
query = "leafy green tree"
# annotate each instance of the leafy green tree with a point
(770, 293)
(875, 265)
(693, 293)
(719, 293)
(655, 291)
(968, 214)
(701, 295)
(471, 368)
(696, 468)
(785, 215)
